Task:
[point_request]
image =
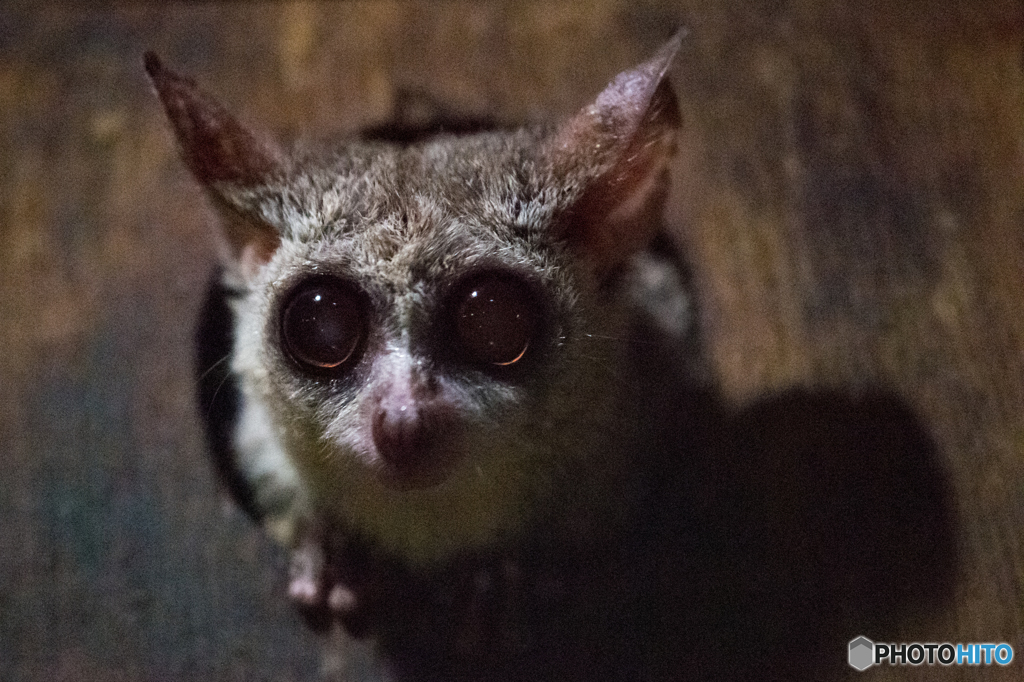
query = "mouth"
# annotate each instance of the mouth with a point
(430, 468)
(404, 480)
(416, 444)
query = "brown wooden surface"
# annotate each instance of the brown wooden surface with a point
(850, 187)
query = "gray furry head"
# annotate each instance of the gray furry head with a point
(425, 432)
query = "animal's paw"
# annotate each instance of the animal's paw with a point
(316, 588)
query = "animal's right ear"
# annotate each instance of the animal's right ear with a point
(227, 159)
(619, 148)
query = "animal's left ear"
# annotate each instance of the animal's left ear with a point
(228, 159)
(618, 148)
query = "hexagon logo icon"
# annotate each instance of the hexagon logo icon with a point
(862, 653)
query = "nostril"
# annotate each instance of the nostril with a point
(400, 434)
(416, 435)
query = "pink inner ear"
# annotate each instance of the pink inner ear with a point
(215, 146)
(619, 148)
(221, 153)
(257, 253)
(620, 213)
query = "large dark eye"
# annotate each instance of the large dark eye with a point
(323, 325)
(495, 320)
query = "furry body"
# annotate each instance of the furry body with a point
(537, 470)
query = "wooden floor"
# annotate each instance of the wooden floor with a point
(849, 188)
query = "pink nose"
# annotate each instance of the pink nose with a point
(401, 434)
(415, 439)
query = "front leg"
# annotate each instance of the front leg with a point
(320, 579)
(322, 584)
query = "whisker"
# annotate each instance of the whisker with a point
(216, 392)
(214, 366)
(325, 451)
(622, 339)
(595, 358)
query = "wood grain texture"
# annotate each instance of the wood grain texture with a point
(850, 190)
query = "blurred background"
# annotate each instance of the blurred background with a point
(849, 190)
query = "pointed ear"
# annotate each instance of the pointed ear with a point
(225, 157)
(619, 148)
